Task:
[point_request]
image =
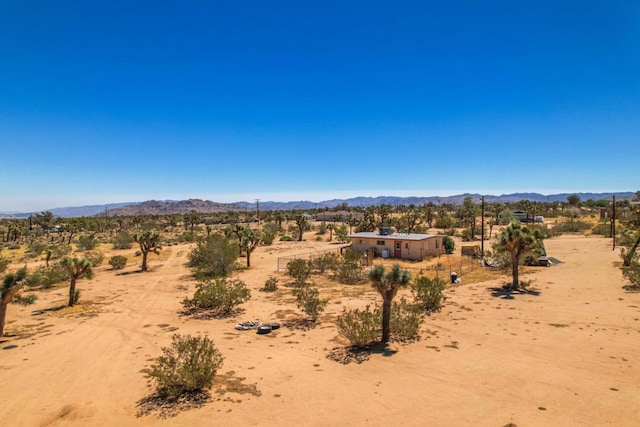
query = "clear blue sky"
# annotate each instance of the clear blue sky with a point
(110, 101)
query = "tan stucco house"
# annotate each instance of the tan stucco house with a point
(398, 245)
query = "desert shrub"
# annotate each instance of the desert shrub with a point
(322, 229)
(186, 237)
(602, 229)
(4, 263)
(270, 285)
(427, 293)
(444, 221)
(35, 249)
(299, 270)
(466, 235)
(341, 232)
(325, 262)
(632, 274)
(349, 271)
(187, 367)
(220, 296)
(214, 256)
(58, 251)
(137, 253)
(94, 257)
(123, 240)
(360, 327)
(267, 237)
(76, 296)
(448, 244)
(309, 301)
(87, 243)
(286, 238)
(571, 227)
(406, 320)
(52, 275)
(118, 262)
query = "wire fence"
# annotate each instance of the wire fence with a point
(283, 261)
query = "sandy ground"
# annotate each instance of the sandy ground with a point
(568, 356)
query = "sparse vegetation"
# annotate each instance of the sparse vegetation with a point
(299, 270)
(118, 262)
(360, 327)
(270, 285)
(212, 257)
(309, 301)
(220, 296)
(187, 367)
(427, 293)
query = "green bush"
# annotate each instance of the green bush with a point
(427, 293)
(309, 301)
(448, 244)
(360, 327)
(349, 271)
(326, 262)
(214, 256)
(59, 251)
(220, 296)
(123, 241)
(87, 243)
(49, 276)
(118, 262)
(406, 320)
(187, 367)
(299, 270)
(95, 257)
(270, 285)
(4, 263)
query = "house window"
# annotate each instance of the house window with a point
(406, 246)
(380, 243)
(437, 244)
(361, 241)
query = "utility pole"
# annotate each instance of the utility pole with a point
(258, 210)
(482, 231)
(613, 223)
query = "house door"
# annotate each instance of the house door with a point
(397, 253)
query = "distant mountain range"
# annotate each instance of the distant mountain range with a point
(161, 207)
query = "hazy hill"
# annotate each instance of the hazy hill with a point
(160, 207)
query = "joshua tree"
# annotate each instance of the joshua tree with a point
(518, 240)
(301, 222)
(149, 241)
(11, 284)
(77, 268)
(387, 285)
(250, 240)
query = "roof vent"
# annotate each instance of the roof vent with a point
(386, 231)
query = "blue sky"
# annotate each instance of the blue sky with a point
(285, 100)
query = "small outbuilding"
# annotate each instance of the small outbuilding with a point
(387, 244)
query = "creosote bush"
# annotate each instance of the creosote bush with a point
(270, 285)
(299, 270)
(427, 293)
(219, 296)
(187, 367)
(360, 327)
(214, 256)
(118, 262)
(406, 320)
(309, 301)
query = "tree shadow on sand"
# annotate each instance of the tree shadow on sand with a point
(354, 354)
(508, 292)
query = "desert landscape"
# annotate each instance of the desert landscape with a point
(563, 353)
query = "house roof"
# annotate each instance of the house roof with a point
(394, 236)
